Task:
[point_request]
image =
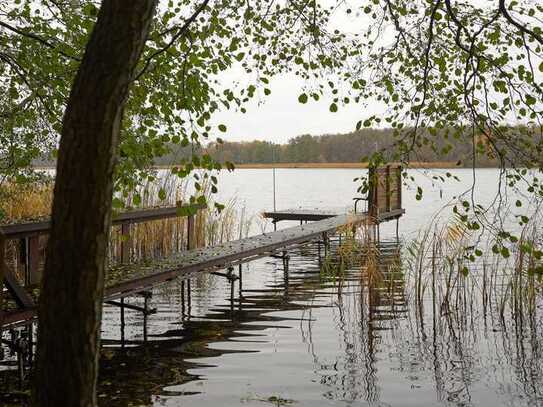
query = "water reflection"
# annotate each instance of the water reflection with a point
(346, 329)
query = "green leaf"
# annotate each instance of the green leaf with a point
(333, 108)
(222, 128)
(229, 166)
(302, 98)
(117, 203)
(136, 200)
(161, 194)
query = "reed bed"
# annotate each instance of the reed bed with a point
(445, 279)
(166, 236)
(148, 240)
(26, 201)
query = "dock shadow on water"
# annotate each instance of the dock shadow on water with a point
(352, 324)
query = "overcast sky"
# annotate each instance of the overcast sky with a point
(280, 116)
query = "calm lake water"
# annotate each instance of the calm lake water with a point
(309, 338)
(328, 332)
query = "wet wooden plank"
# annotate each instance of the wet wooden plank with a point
(123, 280)
(309, 215)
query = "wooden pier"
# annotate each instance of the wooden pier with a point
(125, 279)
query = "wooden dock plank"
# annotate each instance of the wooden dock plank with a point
(309, 215)
(123, 280)
(316, 215)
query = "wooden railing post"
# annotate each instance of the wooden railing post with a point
(33, 275)
(125, 242)
(388, 192)
(191, 235)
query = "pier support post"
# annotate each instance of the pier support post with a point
(286, 259)
(146, 296)
(183, 299)
(319, 257)
(240, 276)
(326, 241)
(189, 305)
(123, 324)
(30, 343)
(231, 279)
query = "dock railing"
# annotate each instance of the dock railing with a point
(385, 190)
(31, 253)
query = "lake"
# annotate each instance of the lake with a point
(393, 323)
(311, 337)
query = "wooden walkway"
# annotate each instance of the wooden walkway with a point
(384, 204)
(310, 215)
(125, 280)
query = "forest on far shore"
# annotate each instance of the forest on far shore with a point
(354, 147)
(338, 148)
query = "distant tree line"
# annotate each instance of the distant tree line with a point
(341, 148)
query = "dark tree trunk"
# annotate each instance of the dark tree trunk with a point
(72, 291)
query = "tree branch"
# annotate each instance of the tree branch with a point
(521, 27)
(182, 31)
(37, 38)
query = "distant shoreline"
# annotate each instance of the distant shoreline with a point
(437, 164)
(360, 165)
